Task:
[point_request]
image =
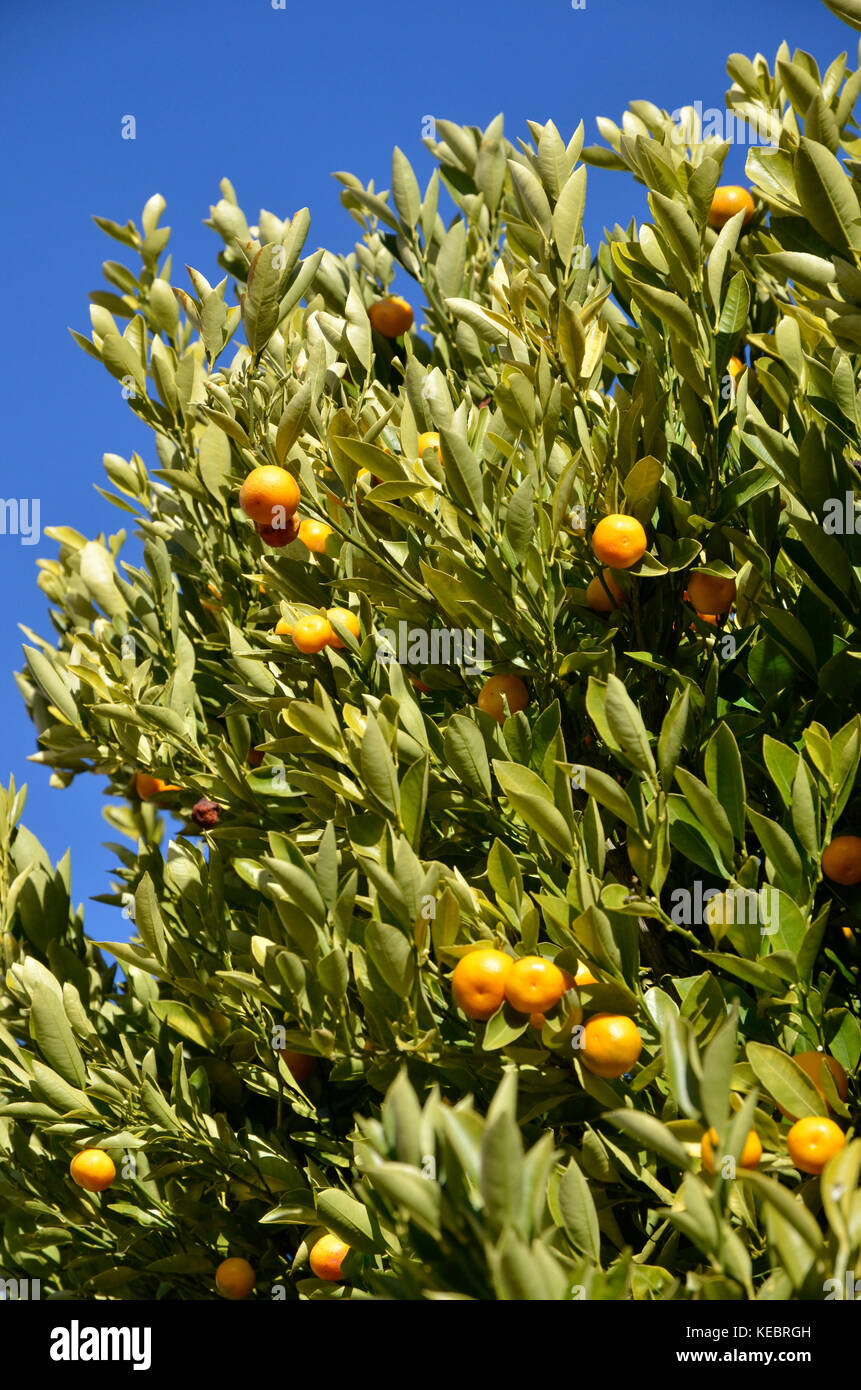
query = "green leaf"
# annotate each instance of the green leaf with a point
(652, 1134)
(393, 955)
(627, 727)
(784, 1080)
(718, 1064)
(378, 768)
(847, 10)
(407, 1190)
(780, 850)
(148, 920)
(53, 686)
(502, 1170)
(462, 467)
(708, 811)
(532, 801)
(405, 189)
(826, 195)
(669, 309)
(64, 1097)
(466, 755)
(349, 1219)
(578, 1212)
(567, 218)
(260, 302)
(50, 1030)
(672, 737)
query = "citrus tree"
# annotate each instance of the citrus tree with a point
(496, 686)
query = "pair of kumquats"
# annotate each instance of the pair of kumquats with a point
(812, 1140)
(235, 1278)
(484, 979)
(270, 498)
(619, 542)
(314, 632)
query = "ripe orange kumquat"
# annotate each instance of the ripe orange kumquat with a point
(312, 633)
(278, 536)
(610, 1045)
(391, 317)
(729, 199)
(841, 861)
(619, 541)
(750, 1154)
(283, 627)
(347, 619)
(269, 495)
(314, 535)
(478, 982)
(491, 693)
(93, 1170)
(597, 597)
(534, 985)
(812, 1141)
(327, 1256)
(235, 1278)
(429, 440)
(584, 976)
(710, 595)
(147, 786)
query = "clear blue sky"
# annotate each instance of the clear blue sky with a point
(275, 100)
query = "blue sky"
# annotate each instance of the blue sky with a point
(274, 99)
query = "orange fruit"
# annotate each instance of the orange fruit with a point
(611, 1044)
(93, 1170)
(812, 1063)
(283, 627)
(841, 861)
(534, 985)
(312, 633)
(597, 597)
(729, 199)
(278, 536)
(299, 1064)
(391, 317)
(812, 1141)
(584, 976)
(750, 1154)
(735, 367)
(314, 535)
(710, 595)
(419, 685)
(491, 693)
(619, 541)
(269, 495)
(147, 786)
(235, 1278)
(429, 440)
(478, 982)
(347, 619)
(326, 1257)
